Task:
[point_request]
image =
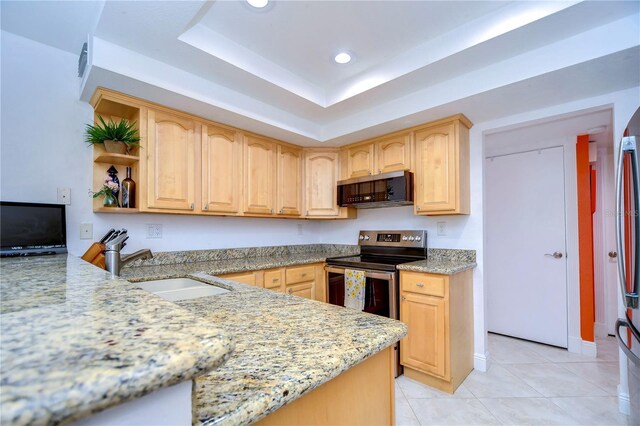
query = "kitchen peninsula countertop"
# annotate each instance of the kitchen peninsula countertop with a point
(285, 346)
(74, 341)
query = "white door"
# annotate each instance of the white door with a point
(525, 226)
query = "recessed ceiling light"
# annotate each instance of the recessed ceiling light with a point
(258, 3)
(342, 58)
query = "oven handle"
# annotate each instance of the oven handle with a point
(367, 273)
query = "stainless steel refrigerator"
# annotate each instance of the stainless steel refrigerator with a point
(628, 241)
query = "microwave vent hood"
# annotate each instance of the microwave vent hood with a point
(370, 192)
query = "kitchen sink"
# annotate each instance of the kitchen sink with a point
(175, 289)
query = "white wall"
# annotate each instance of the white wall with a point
(42, 149)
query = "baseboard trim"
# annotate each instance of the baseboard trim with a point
(624, 403)
(574, 345)
(481, 361)
(600, 330)
(589, 349)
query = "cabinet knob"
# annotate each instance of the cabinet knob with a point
(404, 298)
(290, 290)
(192, 206)
(206, 206)
(613, 254)
(271, 211)
(281, 211)
(418, 208)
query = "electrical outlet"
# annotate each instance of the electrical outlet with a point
(64, 196)
(86, 231)
(442, 229)
(154, 230)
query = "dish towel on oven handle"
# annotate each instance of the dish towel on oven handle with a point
(354, 285)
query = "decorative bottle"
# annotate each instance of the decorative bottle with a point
(128, 191)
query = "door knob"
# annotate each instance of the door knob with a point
(555, 255)
(613, 254)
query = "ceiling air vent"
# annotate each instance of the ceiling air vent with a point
(82, 60)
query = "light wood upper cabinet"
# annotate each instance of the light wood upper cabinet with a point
(393, 153)
(360, 160)
(259, 175)
(442, 169)
(321, 177)
(289, 182)
(424, 347)
(221, 170)
(171, 155)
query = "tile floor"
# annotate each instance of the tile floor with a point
(527, 384)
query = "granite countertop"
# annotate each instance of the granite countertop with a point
(74, 341)
(443, 261)
(224, 266)
(438, 266)
(285, 346)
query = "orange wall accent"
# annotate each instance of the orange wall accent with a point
(585, 239)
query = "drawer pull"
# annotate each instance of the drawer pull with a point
(304, 275)
(419, 285)
(275, 280)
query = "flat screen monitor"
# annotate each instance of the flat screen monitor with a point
(31, 229)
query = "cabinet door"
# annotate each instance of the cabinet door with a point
(170, 161)
(305, 290)
(321, 178)
(250, 278)
(436, 170)
(221, 170)
(259, 175)
(393, 154)
(273, 279)
(360, 161)
(289, 186)
(425, 346)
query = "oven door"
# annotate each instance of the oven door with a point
(380, 294)
(381, 297)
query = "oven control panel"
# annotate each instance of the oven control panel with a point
(393, 238)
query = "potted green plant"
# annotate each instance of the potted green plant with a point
(117, 138)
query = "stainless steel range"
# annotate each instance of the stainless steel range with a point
(380, 253)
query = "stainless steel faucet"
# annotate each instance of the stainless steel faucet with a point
(114, 261)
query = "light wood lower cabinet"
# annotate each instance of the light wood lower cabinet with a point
(304, 281)
(254, 278)
(438, 309)
(170, 161)
(362, 395)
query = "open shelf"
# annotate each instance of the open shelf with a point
(114, 210)
(119, 159)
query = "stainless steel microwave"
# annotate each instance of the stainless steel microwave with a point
(383, 190)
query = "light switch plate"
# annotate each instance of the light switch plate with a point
(64, 196)
(86, 231)
(442, 229)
